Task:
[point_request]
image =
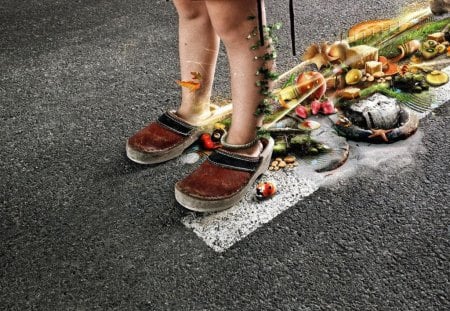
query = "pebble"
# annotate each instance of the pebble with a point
(190, 158)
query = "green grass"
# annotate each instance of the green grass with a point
(389, 49)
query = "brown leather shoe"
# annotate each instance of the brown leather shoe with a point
(222, 180)
(162, 140)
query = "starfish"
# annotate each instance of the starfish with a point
(380, 133)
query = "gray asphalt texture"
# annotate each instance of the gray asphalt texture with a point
(83, 228)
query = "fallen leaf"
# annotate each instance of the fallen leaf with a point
(191, 85)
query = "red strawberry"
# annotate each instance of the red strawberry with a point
(315, 107)
(301, 111)
(328, 107)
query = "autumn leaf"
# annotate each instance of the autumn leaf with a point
(191, 85)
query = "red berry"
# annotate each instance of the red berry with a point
(328, 107)
(301, 111)
(315, 107)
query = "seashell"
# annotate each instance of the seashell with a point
(337, 51)
(406, 49)
(410, 47)
(309, 125)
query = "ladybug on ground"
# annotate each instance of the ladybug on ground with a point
(265, 190)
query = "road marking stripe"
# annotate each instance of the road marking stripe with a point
(221, 230)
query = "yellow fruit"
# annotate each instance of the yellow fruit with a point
(353, 76)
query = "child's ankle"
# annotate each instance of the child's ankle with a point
(193, 118)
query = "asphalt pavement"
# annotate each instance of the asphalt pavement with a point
(83, 228)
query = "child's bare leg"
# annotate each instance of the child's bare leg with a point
(231, 22)
(198, 48)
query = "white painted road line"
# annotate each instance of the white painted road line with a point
(221, 230)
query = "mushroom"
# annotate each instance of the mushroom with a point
(437, 78)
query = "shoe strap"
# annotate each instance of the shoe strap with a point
(174, 123)
(235, 161)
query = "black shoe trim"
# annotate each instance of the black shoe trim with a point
(174, 123)
(234, 161)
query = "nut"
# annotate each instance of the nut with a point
(378, 74)
(289, 159)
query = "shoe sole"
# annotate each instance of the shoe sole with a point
(159, 157)
(202, 205)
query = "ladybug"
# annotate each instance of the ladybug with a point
(265, 190)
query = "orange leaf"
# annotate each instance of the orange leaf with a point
(191, 85)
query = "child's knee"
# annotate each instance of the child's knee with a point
(191, 10)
